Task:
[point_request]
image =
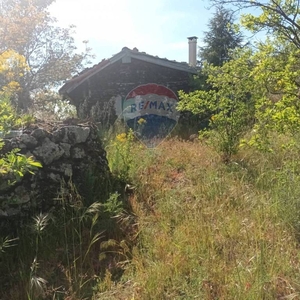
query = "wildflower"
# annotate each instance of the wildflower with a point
(121, 137)
(141, 121)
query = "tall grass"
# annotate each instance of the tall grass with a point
(56, 255)
(207, 230)
(178, 224)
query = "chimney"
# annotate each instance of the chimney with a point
(192, 51)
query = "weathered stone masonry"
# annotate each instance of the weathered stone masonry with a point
(97, 96)
(98, 92)
(66, 153)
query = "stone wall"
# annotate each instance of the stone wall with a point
(100, 95)
(67, 152)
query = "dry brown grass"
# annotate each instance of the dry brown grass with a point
(195, 228)
(209, 230)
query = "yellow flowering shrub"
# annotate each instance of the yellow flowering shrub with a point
(122, 137)
(119, 154)
(12, 67)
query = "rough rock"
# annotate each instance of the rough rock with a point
(66, 153)
(39, 133)
(72, 134)
(48, 152)
(28, 140)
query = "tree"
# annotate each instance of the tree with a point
(278, 17)
(277, 76)
(222, 37)
(228, 103)
(51, 106)
(253, 90)
(50, 52)
(277, 64)
(256, 90)
(12, 68)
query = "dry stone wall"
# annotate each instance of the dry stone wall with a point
(100, 96)
(66, 152)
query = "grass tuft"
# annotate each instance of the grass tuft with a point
(178, 224)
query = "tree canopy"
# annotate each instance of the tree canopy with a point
(12, 68)
(222, 36)
(257, 90)
(277, 17)
(27, 28)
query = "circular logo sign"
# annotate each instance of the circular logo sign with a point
(150, 111)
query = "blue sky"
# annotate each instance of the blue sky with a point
(158, 27)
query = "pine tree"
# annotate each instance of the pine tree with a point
(221, 38)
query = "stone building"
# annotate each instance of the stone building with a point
(99, 92)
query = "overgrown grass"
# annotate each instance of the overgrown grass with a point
(209, 230)
(182, 225)
(57, 255)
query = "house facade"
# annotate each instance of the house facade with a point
(99, 92)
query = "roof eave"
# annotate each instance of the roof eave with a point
(138, 56)
(112, 60)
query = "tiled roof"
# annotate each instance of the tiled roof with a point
(87, 73)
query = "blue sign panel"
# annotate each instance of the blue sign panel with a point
(150, 111)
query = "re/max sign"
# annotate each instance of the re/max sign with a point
(159, 105)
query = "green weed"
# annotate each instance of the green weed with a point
(187, 227)
(207, 230)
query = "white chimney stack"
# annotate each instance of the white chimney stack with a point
(192, 51)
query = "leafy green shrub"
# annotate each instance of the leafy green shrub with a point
(228, 102)
(13, 165)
